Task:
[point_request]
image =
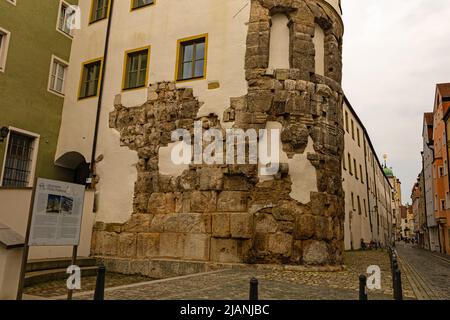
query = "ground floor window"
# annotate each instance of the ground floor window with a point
(18, 164)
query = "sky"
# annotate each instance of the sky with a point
(395, 52)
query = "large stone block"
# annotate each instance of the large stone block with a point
(228, 250)
(196, 247)
(304, 227)
(161, 203)
(148, 245)
(241, 225)
(210, 179)
(260, 101)
(138, 223)
(194, 223)
(109, 243)
(221, 225)
(265, 223)
(280, 244)
(127, 245)
(201, 201)
(232, 201)
(171, 245)
(315, 252)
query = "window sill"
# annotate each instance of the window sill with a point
(85, 98)
(67, 35)
(133, 89)
(95, 21)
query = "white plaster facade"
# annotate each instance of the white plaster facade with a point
(374, 191)
(428, 158)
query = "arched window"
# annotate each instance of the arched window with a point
(279, 42)
(319, 46)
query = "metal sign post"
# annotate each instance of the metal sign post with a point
(26, 247)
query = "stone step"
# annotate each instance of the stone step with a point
(58, 263)
(42, 276)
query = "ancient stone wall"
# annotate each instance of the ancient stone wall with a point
(226, 213)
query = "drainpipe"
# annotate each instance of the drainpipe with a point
(100, 96)
(425, 197)
(367, 188)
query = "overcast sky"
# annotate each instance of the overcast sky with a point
(395, 51)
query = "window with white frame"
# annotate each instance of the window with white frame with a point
(65, 14)
(57, 75)
(4, 44)
(19, 160)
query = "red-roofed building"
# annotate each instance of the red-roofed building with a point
(441, 166)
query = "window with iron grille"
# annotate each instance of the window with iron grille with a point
(18, 162)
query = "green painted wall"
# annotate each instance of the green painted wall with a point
(25, 102)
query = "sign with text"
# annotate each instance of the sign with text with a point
(56, 215)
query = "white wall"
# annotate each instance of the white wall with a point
(14, 210)
(10, 264)
(356, 226)
(279, 42)
(319, 46)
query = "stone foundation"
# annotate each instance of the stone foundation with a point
(226, 213)
(169, 268)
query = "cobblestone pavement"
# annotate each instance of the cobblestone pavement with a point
(274, 285)
(59, 288)
(429, 273)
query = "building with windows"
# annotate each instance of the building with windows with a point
(136, 75)
(428, 161)
(368, 192)
(34, 55)
(396, 199)
(440, 166)
(418, 207)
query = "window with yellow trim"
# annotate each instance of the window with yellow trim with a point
(90, 79)
(99, 10)
(136, 4)
(192, 59)
(136, 69)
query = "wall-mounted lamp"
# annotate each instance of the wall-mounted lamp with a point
(3, 133)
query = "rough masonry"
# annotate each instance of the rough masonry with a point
(226, 213)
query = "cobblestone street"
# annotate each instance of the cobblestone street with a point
(428, 273)
(234, 284)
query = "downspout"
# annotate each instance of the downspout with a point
(100, 96)
(376, 199)
(367, 188)
(425, 197)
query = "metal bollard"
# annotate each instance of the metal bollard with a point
(362, 287)
(100, 284)
(394, 267)
(398, 290)
(253, 289)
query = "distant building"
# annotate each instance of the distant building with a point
(441, 166)
(396, 200)
(368, 193)
(418, 208)
(427, 161)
